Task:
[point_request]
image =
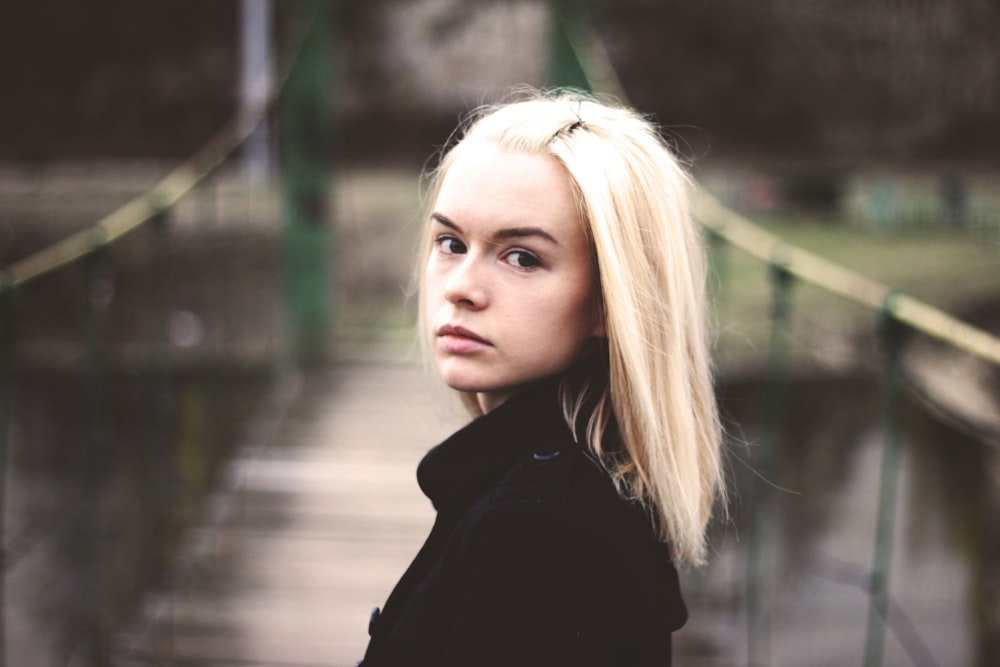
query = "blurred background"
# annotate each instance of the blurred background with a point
(211, 406)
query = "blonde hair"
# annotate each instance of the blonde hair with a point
(647, 411)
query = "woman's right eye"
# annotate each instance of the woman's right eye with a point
(449, 245)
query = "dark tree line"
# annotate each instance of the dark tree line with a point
(842, 78)
(832, 79)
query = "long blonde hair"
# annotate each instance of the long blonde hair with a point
(647, 411)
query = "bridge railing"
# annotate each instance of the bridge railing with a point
(894, 314)
(165, 430)
(89, 250)
(581, 59)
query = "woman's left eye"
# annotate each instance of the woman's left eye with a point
(522, 259)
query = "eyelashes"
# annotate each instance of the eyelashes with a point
(522, 259)
(449, 245)
(517, 258)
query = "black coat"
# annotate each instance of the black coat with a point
(533, 558)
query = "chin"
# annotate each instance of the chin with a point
(464, 384)
(458, 380)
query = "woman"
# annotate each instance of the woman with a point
(562, 296)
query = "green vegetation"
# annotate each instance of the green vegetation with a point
(958, 273)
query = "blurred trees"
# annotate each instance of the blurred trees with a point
(105, 78)
(834, 79)
(840, 78)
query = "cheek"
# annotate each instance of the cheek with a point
(574, 314)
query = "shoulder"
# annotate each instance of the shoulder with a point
(557, 512)
(559, 485)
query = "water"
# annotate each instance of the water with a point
(75, 557)
(97, 498)
(820, 533)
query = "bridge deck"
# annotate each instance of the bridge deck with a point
(310, 532)
(315, 521)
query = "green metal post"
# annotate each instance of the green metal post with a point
(565, 69)
(758, 618)
(6, 387)
(160, 335)
(306, 131)
(99, 293)
(891, 333)
(163, 487)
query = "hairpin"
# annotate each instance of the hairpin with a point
(579, 119)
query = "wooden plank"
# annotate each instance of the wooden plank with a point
(310, 534)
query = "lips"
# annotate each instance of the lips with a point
(459, 340)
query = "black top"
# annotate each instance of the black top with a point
(533, 559)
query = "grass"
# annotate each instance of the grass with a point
(375, 214)
(958, 273)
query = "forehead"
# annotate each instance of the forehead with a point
(485, 183)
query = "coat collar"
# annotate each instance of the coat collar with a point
(478, 455)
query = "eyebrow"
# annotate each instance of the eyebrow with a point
(506, 233)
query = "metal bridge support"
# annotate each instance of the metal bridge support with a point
(164, 487)
(760, 531)
(564, 65)
(891, 333)
(100, 291)
(7, 296)
(989, 643)
(306, 133)
(255, 86)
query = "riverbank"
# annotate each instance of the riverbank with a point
(375, 218)
(224, 305)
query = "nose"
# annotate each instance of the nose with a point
(465, 285)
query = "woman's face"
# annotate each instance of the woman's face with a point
(509, 290)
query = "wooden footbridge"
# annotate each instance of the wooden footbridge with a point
(309, 531)
(313, 517)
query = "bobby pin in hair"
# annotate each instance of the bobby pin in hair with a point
(579, 119)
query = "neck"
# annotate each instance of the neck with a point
(491, 400)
